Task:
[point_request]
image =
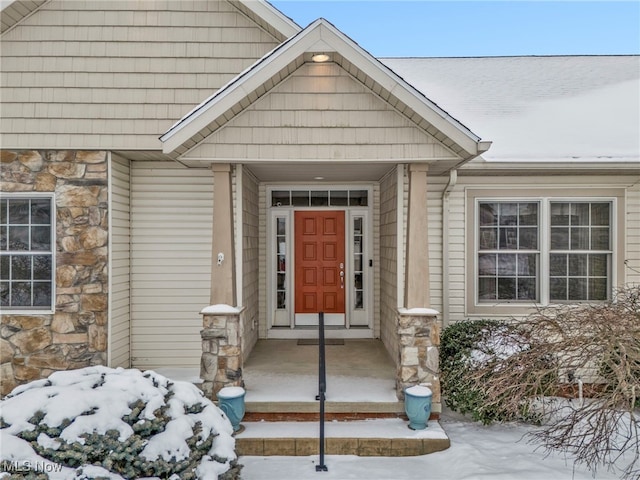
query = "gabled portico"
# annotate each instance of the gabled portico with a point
(327, 164)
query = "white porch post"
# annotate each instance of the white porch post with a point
(222, 267)
(417, 293)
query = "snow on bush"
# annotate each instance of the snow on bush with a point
(467, 347)
(585, 350)
(99, 422)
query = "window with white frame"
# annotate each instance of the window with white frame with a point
(580, 250)
(566, 244)
(508, 254)
(26, 253)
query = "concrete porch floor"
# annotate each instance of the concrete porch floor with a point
(282, 376)
(282, 370)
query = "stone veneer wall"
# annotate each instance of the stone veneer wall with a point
(222, 358)
(419, 345)
(75, 336)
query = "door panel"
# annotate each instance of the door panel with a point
(319, 263)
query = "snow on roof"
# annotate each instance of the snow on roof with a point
(558, 108)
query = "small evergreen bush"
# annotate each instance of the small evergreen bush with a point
(121, 422)
(457, 343)
(470, 347)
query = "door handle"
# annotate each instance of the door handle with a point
(341, 278)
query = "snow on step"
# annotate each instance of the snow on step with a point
(375, 428)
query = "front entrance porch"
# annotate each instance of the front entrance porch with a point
(285, 252)
(281, 381)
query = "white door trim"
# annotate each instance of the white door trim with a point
(281, 323)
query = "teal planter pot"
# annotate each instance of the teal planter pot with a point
(417, 406)
(231, 402)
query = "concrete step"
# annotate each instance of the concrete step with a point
(392, 408)
(375, 437)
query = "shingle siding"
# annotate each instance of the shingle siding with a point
(116, 75)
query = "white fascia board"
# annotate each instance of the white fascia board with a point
(582, 165)
(273, 17)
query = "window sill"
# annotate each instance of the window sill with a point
(6, 311)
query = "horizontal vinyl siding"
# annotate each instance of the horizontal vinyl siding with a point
(171, 218)
(632, 259)
(376, 264)
(250, 260)
(460, 266)
(125, 69)
(120, 243)
(435, 188)
(457, 249)
(388, 263)
(262, 261)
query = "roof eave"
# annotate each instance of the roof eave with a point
(556, 166)
(272, 16)
(14, 12)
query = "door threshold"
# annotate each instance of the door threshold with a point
(315, 341)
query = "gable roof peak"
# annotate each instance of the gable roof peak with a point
(320, 36)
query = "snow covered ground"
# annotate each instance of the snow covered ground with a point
(496, 452)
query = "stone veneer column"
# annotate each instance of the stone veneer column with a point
(417, 260)
(419, 341)
(34, 345)
(221, 363)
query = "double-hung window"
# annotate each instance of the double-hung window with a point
(543, 251)
(508, 253)
(580, 251)
(26, 253)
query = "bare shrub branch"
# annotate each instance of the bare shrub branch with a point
(596, 346)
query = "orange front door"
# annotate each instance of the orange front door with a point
(319, 266)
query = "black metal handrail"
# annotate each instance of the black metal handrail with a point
(322, 388)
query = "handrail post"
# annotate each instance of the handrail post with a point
(322, 388)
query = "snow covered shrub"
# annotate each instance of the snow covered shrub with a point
(471, 355)
(594, 344)
(99, 422)
(464, 347)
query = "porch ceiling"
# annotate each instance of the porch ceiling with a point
(309, 172)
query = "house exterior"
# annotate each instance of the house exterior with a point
(181, 179)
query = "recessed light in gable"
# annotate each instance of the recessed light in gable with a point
(320, 57)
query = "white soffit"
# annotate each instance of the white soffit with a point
(14, 12)
(284, 59)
